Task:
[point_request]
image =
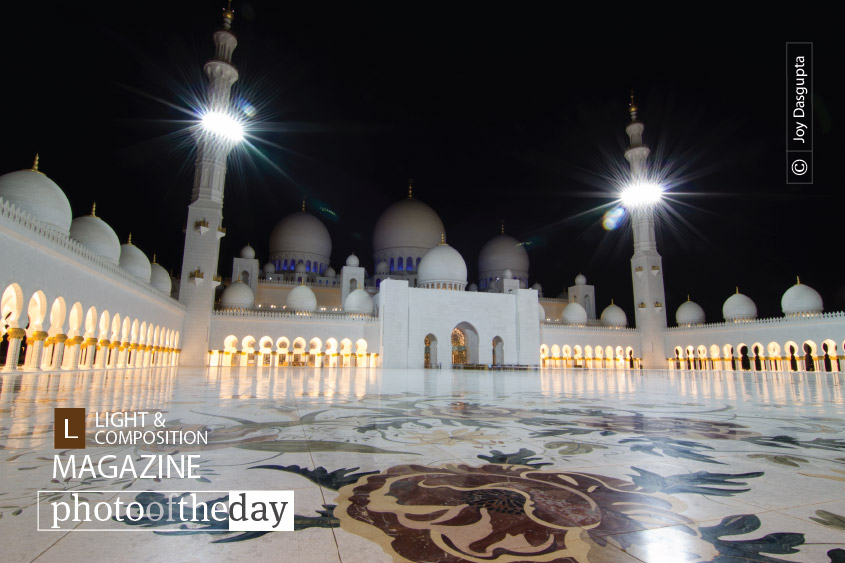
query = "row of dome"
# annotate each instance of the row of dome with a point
(798, 300)
(407, 229)
(36, 194)
(301, 298)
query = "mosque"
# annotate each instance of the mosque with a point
(75, 298)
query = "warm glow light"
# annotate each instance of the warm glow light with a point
(224, 125)
(641, 194)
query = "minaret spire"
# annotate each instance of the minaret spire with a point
(410, 188)
(202, 244)
(646, 264)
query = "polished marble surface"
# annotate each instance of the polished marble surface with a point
(414, 465)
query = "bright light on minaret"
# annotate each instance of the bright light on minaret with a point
(641, 194)
(224, 125)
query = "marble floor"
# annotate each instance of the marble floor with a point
(443, 466)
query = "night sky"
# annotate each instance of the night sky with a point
(497, 113)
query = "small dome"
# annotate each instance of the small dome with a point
(134, 261)
(472, 287)
(689, 313)
(33, 192)
(330, 273)
(95, 234)
(739, 307)
(801, 299)
(407, 224)
(383, 267)
(300, 267)
(580, 279)
(160, 279)
(613, 315)
(442, 264)
(238, 295)
(248, 252)
(359, 301)
(507, 275)
(301, 298)
(542, 312)
(574, 314)
(537, 286)
(269, 268)
(502, 252)
(352, 261)
(301, 233)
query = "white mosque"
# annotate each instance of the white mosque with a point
(75, 298)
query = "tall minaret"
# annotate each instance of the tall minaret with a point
(646, 264)
(205, 213)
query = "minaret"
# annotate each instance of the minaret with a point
(646, 264)
(205, 213)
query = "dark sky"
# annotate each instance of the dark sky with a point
(507, 113)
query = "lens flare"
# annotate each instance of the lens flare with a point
(641, 194)
(224, 125)
(613, 218)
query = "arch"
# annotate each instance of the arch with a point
(105, 324)
(361, 346)
(315, 346)
(230, 343)
(75, 319)
(265, 344)
(792, 351)
(400, 264)
(498, 351)
(830, 358)
(810, 351)
(299, 343)
(248, 344)
(409, 264)
(345, 346)
(464, 344)
(353, 284)
(555, 351)
(758, 356)
(392, 265)
(58, 311)
(331, 346)
(37, 310)
(282, 343)
(115, 328)
(11, 305)
(430, 353)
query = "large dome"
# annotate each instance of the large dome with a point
(503, 252)
(159, 278)
(739, 307)
(238, 295)
(301, 298)
(574, 314)
(134, 261)
(442, 265)
(407, 224)
(301, 234)
(801, 299)
(359, 301)
(33, 192)
(93, 233)
(689, 313)
(613, 315)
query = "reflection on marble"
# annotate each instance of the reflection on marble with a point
(414, 465)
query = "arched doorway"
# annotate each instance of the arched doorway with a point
(430, 351)
(498, 351)
(464, 344)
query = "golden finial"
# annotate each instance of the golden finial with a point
(410, 188)
(611, 300)
(303, 204)
(798, 280)
(228, 14)
(737, 290)
(35, 163)
(503, 226)
(688, 297)
(442, 238)
(154, 257)
(130, 239)
(94, 209)
(631, 107)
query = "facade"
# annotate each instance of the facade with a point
(74, 298)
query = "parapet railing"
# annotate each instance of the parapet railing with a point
(298, 315)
